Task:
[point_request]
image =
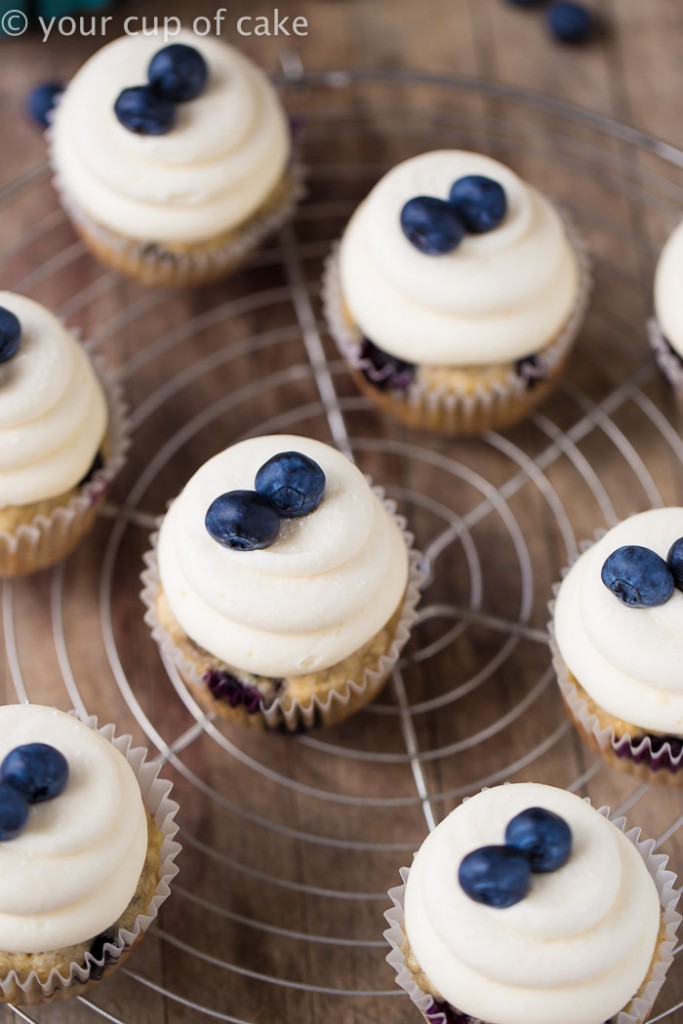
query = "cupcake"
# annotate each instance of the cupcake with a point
(666, 329)
(456, 293)
(173, 162)
(526, 905)
(62, 437)
(282, 585)
(86, 852)
(617, 642)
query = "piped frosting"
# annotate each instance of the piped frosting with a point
(627, 659)
(53, 411)
(327, 585)
(496, 298)
(668, 305)
(224, 156)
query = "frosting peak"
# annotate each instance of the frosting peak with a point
(53, 412)
(331, 580)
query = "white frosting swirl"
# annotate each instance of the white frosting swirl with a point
(327, 585)
(574, 951)
(224, 156)
(668, 302)
(498, 297)
(75, 868)
(53, 412)
(627, 659)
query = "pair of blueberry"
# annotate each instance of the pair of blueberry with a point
(29, 775)
(287, 486)
(10, 334)
(499, 876)
(568, 21)
(437, 226)
(176, 74)
(640, 577)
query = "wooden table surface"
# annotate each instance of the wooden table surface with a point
(291, 843)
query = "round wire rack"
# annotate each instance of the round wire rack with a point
(290, 843)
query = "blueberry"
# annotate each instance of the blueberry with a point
(10, 334)
(675, 562)
(292, 483)
(140, 110)
(13, 812)
(526, 3)
(432, 225)
(570, 22)
(638, 576)
(178, 73)
(36, 770)
(497, 876)
(242, 520)
(480, 202)
(545, 838)
(41, 101)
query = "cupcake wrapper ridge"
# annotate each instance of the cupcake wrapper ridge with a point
(668, 361)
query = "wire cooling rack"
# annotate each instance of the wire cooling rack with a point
(290, 843)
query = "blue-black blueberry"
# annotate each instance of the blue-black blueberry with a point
(10, 334)
(293, 483)
(178, 73)
(36, 770)
(570, 22)
(480, 202)
(13, 812)
(675, 562)
(41, 101)
(638, 576)
(142, 111)
(432, 225)
(542, 836)
(498, 876)
(243, 520)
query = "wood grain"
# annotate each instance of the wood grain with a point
(291, 843)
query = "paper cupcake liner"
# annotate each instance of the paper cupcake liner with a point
(46, 539)
(631, 753)
(336, 704)
(667, 360)
(636, 1012)
(153, 264)
(486, 405)
(82, 976)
